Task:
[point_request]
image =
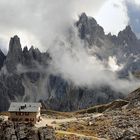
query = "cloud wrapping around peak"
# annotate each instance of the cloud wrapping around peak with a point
(49, 24)
(75, 63)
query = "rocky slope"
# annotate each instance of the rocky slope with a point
(118, 120)
(24, 75)
(16, 131)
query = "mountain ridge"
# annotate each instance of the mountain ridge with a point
(25, 81)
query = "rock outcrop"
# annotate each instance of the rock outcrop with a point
(22, 131)
(134, 99)
(14, 55)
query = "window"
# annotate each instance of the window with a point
(20, 113)
(27, 113)
(26, 119)
(31, 119)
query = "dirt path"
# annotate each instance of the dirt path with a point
(50, 121)
(55, 122)
(79, 135)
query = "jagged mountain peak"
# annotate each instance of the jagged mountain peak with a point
(92, 32)
(25, 49)
(83, 18)
(127, 34)
(88, 29)
(15, 43)
(35, 53)
(34, 50)
(126, 30)
(14, 55)
(31, 49)
(15, 37)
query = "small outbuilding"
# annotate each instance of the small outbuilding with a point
(24, 112)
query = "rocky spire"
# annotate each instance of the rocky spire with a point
(14, 55)
(31, 55)
(127, 35)
(88, 29)
(84, 19)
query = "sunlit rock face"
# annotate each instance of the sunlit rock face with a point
(25, 73)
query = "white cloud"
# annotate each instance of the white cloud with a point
(113, 64)
(39, 22)
(76, 64)
(113, 16)
(137, 2)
